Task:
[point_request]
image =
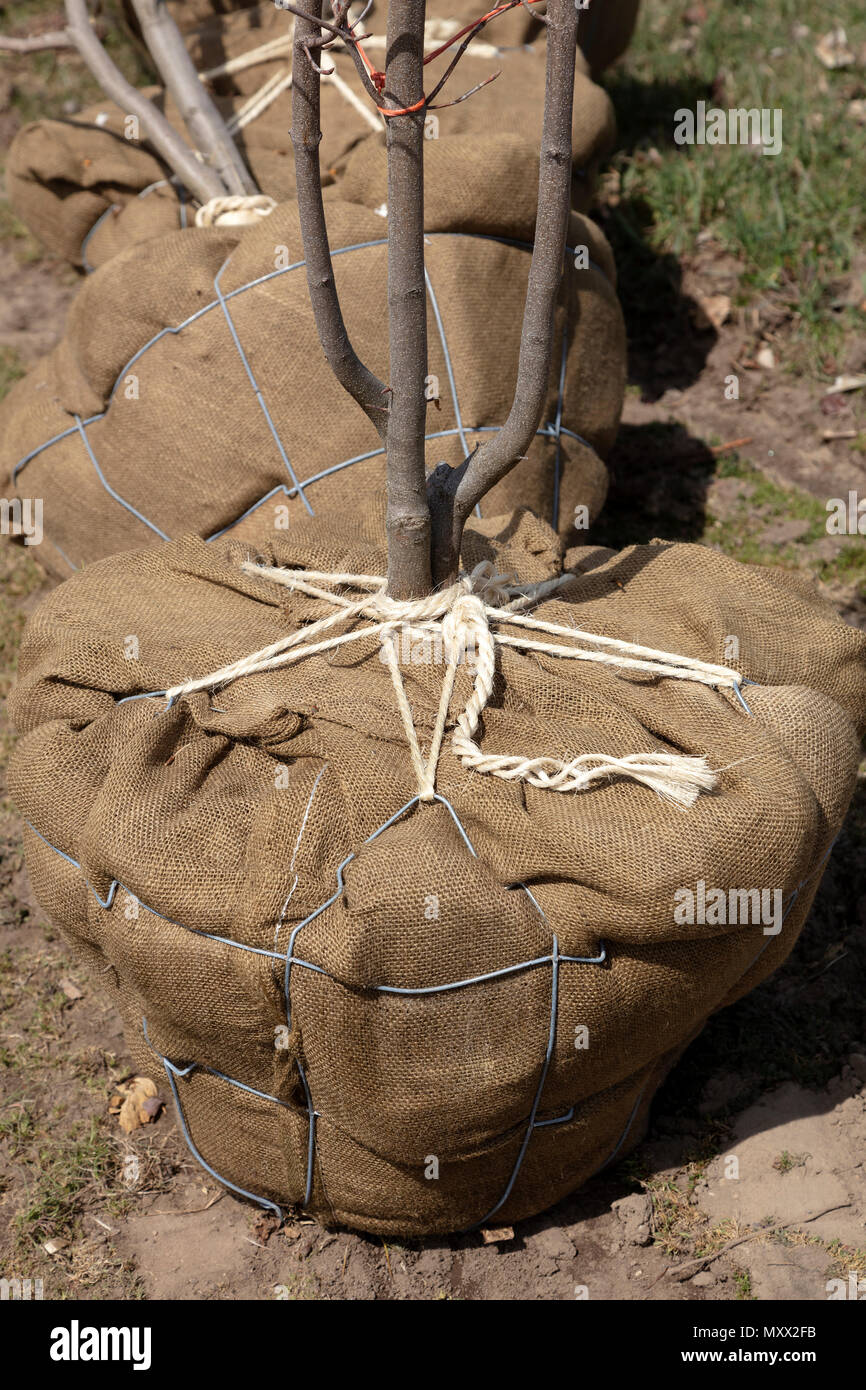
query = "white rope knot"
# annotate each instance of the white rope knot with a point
(465, 627)
(236, 210)
(461, 616)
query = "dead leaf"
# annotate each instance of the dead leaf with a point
(846, 383)
(54, 1247)
(265, 1223)
(765, 357)
(495, 1235)
(70, 989)
(711, 310)
(135, 1102)
(833, 50)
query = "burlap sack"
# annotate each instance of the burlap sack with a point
(485, 993)
(87, 191)
(145, 421)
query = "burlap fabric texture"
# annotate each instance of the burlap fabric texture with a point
(414, 1018)
(190, 392)
(88, 191)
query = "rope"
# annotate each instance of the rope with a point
(461, 616)
(237, 210)
(260, 100)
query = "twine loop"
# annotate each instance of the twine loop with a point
(235, 210)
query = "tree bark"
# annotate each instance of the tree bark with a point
(408, 521)
(202, 118)
(454, 492)
(202, 182)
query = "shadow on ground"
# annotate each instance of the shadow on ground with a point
(659, 476)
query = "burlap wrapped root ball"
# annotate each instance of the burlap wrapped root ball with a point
(89, 186)
(190, 390)
(408, 1017)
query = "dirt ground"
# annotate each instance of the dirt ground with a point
(751, 1182)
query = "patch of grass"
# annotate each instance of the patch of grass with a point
(47, 84)
(791, 221)
(762, 501)
(65, 1172)
(14, 232)
(676, 1219)
(17, 1127)
(12, 369)
(743, 1285)
(716, 1237)
(786, 1161)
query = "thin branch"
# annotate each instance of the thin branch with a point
(408, 510)
(443, 105)
(454, 492)
(201, 181)
(37, 43)
(200, 114)
(353, 376)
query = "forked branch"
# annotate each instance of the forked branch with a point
(426, 517)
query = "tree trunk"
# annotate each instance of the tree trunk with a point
(408, 510)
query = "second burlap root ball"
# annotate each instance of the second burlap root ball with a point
(190, 390)
(88, 190)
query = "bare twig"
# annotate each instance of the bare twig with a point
(353, 376)
(202, 181)
(200, 114)
(408, 522)
(692, 1266)
(37, 43)
(454, 492)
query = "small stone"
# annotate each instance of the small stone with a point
(497, 1235)
(857, 1063)
(635, 1213)
(704, 1280)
